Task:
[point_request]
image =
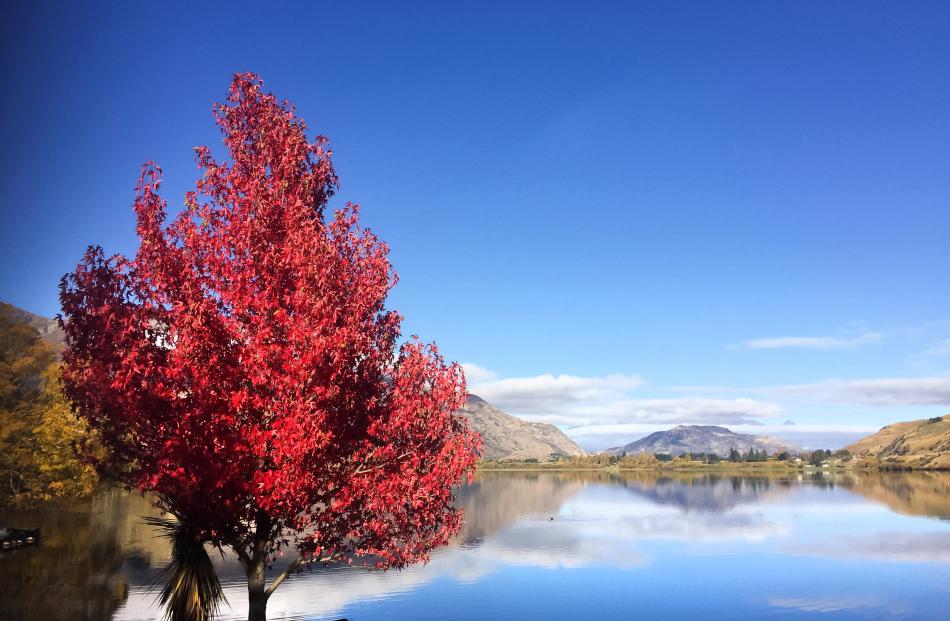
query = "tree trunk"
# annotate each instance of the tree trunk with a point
(256, 594)
(254, 565)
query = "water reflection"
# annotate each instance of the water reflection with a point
(82, 562)
(702, 491)
(920, 493)
(496, 499)
(537, 543)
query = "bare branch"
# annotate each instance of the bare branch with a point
(283, 576)
(363, 470)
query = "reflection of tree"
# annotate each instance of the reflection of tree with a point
(75, 572)
(496, 499)
(911, 493)
(93, 550)
(81, 568)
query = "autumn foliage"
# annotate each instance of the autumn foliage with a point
(38, 432)
(243, 368)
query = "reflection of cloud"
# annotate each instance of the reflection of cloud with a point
(703, 528)
(560, 543)
(540, 543)
(567, 524)
(929, 547)
(594, 534)
(570, 521)
(830, 604)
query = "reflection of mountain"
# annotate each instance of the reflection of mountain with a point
(911, 493)
(703, 492)
(496, 499)
(507, 522)
(535, 521)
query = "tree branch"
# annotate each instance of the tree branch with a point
(242, 555)
(363, 470)
(283, 576)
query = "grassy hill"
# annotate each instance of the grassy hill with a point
(913, 444)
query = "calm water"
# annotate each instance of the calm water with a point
(552, 546)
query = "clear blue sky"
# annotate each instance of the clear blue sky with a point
(749, 200)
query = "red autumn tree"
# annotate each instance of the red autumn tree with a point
(243, 369)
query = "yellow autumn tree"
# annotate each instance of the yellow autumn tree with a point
(38, 432)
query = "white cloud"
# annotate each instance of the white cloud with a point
(813, 342)
(576, 401)
(879, 391)
(938, 349)
(611, 410)
(697, 409)
(538, 394)
(475, 374)
(662, 412)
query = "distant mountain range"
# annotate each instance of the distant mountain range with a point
(702, 439)
(505, 437)
(913, 444)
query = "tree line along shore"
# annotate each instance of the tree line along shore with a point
(782, 462)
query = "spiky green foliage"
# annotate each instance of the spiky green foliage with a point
(192, 591)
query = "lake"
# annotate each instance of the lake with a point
(560, 546)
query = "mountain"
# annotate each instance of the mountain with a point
(48, 328)
(503, 436)
(506, 437)
(702, 439)
(913, 444)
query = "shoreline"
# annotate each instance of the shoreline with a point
(699, 467)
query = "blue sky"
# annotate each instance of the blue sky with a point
(621, 216)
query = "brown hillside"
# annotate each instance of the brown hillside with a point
(505, 437)
(912, 444)
(48, 328)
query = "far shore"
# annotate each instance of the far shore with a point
(865, 465)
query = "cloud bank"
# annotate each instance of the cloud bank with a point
(577, 401)
(610, 410)
(812, 342)
(877, 392)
